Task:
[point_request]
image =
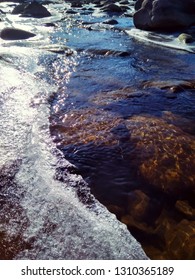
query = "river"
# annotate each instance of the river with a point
(93, 114)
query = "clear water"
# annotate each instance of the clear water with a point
(123, 127)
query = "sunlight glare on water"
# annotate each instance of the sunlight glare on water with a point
(44, 217)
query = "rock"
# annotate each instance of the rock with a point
(57, 48)
(15, 34)
(70, 11)
(76, 4)
(112, 8)
(185, 124)
(165, 155)
(185, 208)
(33, 9)
(185, 38)
(174, 86)
(180, 240)
(138, 204)
(107, 52)
(142, 212)
(124, 2)
(177, 236)
(138, 4)
(97, 123)
(115, 95)
(111, 21)
(164, 15)
(162, 154)
(19, 9)
(131, 223)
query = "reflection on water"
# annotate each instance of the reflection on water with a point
(124, 127)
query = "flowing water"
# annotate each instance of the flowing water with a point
(122, 112)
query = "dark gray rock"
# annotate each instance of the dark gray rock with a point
(124, 2)
(112, 8)
(70, 11)
(138, 4)
(15, 34)
(111, 21)
(164, 14)
(33, 9)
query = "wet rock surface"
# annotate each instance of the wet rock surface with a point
(164, 15)
(33, 9)
(15, 34)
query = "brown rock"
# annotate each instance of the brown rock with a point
(181, 241)
(97, 125)
(165, 155)
(185, 208)
(138, 205)
(162, 154)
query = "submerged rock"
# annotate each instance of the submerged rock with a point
(141, 207)
(172, 85)
(164, 14)
(185, 208)
(165, 154)
(15, 34)
(179, 238)
(97, 124)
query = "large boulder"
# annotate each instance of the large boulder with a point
(164, 14)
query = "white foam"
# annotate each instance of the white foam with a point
(164, 40)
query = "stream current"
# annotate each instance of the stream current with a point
(121, 114)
